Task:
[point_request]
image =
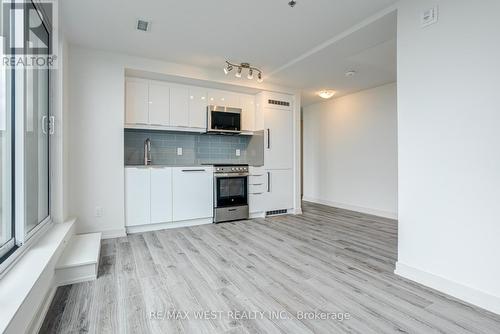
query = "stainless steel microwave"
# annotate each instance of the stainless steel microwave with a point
(222, 119)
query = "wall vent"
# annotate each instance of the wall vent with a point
(276, 212)
(143, 25)
(279, 103)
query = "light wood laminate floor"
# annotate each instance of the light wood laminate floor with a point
(324, 261)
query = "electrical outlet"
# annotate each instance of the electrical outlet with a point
(429, 16)
(238, 153)
(99, 212)
(179, 150)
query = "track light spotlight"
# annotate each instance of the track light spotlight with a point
(238, 73)
(250, 74)
(228, 69)
(259, 77)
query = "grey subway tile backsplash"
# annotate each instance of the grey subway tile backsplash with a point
(197, 148)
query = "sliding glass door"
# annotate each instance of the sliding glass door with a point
(25, 127)
(36, 130)
(6, 135)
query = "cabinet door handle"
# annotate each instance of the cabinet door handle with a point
(256, 193)
(268, 138)
(193, 170)
(268, 182)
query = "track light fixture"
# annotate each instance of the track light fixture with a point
(229, 67)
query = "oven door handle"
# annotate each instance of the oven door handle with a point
(230, 175)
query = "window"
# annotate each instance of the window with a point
(24, 129)
(6, 135)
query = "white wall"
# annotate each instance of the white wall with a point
(95, 131)
(449, 144)
(96, 157)
(350, 152)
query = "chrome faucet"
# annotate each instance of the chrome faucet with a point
(147, 152)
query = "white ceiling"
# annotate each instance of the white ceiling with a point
(267, 33)
(369, 50)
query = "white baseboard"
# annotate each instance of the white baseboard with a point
(470, 295)
(375, 212)
(111, 234)
(257, 215)
(166, 226)
(37, 321)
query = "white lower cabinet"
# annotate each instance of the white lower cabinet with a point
(257, 184)
(256, 202)
(192, 193)
(161, 195)
(137, 196)
(155, 195)
(279, 190)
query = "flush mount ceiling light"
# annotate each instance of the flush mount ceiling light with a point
(239, 69)
(326, 94)
(351, 73)
(143, 25)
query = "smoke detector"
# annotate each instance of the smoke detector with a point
(143, 25)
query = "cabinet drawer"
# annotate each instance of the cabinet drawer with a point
(256, 203)
(257, 179)
(256, 170)
(257, 188)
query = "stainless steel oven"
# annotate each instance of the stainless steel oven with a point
(222, 119)
(230, 193)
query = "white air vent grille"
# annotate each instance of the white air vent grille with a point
(279, 103)
(142, 25)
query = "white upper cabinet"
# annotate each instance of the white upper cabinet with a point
(247, 103)
(136, 101)
(161, 195)
(162, 104)
(137, 196)
(223, 98)
(278, 139)
(197, 107)
(179, 105)
(192, 193)
(159, 103)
